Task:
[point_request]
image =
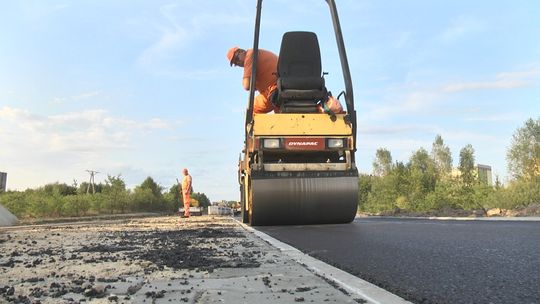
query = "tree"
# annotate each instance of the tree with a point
(149, 183)
(441, 155)
(466, 166)
(524, 154)
(423, 177)
(59, 189)
(154, 201)
(201, 198)
(84, 186)
(16, 202)
(382, 196)
(467, 198)
(364, 188)
(76, 205)
(143, 199)
(382, 163)
(115, 192)
(173, 198)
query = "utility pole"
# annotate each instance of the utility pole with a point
(91, 182)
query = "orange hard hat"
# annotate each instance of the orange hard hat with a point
(230, 54)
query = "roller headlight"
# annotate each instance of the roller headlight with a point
(334, 143)
(271, 143)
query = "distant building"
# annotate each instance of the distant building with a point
(3, 181)
(484, 174)
(482, 171)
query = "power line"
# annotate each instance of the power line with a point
(91, 182)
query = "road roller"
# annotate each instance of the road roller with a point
(298, 165)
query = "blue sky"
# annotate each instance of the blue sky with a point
(143, 88)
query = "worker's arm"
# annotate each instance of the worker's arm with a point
(188, 188)
(245, 83)
(248, 66)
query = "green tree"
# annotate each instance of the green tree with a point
(60, 189)
(150, 191)
(156, 189)
(423, 177)
(524, 154)
(382, 165)
(201, 198)
(173, 199)
(402, 177)
(466, 166)
(97, 202)
(383, 194)
(441, 155)
(468, 179)
(76, 205)
(444, 197)
(143, 199)
(115, 193)
(364, 189)
(16, 202)
(83, 188)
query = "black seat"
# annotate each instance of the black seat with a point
(300, 85)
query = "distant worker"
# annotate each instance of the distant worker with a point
(266, 78)
(186, 191)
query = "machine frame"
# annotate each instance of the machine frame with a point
(289, 131)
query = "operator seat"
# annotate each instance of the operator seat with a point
(300, 85)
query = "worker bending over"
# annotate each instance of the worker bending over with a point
(186, 191)
(266, 76)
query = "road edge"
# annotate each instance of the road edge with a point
(450, 218)
(352, 284)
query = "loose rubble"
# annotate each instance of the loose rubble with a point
(153, 260)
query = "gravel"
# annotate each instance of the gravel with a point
(152, 260)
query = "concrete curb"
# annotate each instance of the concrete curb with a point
(7, 218)
(352, 284)
(448, 218)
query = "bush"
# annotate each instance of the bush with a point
(59, 200)
(76, 205)
(15, 202)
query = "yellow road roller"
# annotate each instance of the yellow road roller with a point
(298, 166)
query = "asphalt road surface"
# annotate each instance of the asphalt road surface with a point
(430, 261)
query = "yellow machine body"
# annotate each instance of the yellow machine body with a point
(300, 125)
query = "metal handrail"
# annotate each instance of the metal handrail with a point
(349, 96)
(249, 113)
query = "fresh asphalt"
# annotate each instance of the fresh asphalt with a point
(430, 261)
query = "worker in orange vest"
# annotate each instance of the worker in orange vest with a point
(186, 191)
(266, 78)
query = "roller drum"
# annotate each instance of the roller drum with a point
(304, 200)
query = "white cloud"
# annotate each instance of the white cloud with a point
(85, 131)
(79, 97)
(183, 25)
(197, 74)
(374, 130)
(171, 37)
(419, 101)
(504, 80)
(486, 85)
(495, 117)
(472, 137)
(37, 149)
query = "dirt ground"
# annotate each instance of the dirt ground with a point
(151, 260)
